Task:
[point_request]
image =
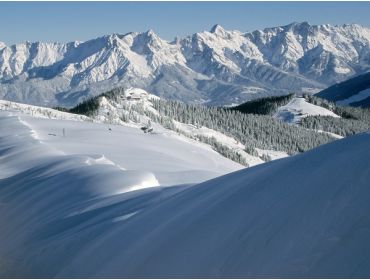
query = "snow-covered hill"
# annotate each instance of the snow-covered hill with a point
(40, 112)
(76, 216)
(216, 67)
(133, 108)
(352, 92)
(299, 108)
(171, 158)
(245, 139)
(359, 99)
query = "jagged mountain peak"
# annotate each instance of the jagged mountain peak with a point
(295, 24)
(298, 27)
(2, 45)
(149, 38)
(217, 29)
(216, 67)
(176, 41)
(150, 33)
(147, 43)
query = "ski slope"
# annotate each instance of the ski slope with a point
(71, 215)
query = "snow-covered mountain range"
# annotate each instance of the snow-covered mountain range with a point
(216, 67)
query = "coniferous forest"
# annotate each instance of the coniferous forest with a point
(250, 123)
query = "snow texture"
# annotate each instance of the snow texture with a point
(172, 159)
(110, 113)
(219, 67)
(299, 108)
(362, 95)
(304, 216)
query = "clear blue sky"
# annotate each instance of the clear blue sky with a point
(69, 21)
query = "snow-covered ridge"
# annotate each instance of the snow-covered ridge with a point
(106, 142)
(17, 132)
(362, 95)
(353, 92)
(134, 108)
(293, 218)
(40, 112)
(216, 67)
(299, 108)
(231, 143)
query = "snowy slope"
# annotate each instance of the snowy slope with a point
(292, 224)
(360, 97)
(353, 92)
(299, 108)
(228, 141)
(296, 217)
(138, 111)
(131, 110)
(218, 67)
(173, 159)
(40, 112)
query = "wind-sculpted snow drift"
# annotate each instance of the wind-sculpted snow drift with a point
(303, 216)
(45, 193)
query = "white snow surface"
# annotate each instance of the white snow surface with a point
(337, 136)
(40, 112)
(355, 98)
(221, 66)
(299, 108)
(270, 154)
(172, 159)
(304, 216)
(224, 140)
(113, 108)
(110, 112)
